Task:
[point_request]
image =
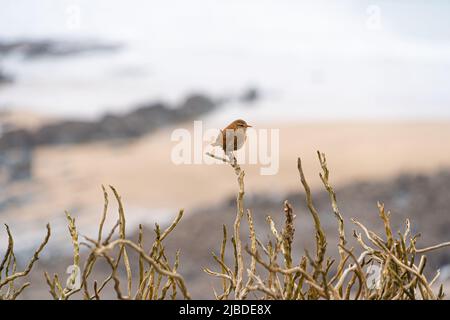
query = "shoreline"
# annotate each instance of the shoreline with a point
(70, 177)
(142, 168)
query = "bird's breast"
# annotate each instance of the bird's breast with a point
(233, 140)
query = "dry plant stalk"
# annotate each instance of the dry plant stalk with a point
(157, 279)
(236, 277)
(56, 289)
(272, 273)
(8, 268)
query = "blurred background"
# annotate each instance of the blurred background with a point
(90, 92)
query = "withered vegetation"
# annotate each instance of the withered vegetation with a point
(157, 279)
(258, 270)
(273, 274)
(8, 268)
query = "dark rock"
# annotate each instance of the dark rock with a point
(5, 78)
(66, 132)
(148, 118)
(16, 138)
(250, 95)
(16, 164)
(34, 49)
(194, 106)
(136, 123)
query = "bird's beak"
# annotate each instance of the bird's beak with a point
(248, 126)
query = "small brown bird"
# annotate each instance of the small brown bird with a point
(232, 137)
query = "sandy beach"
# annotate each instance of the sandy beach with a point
(69, 177)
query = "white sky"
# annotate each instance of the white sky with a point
(316, 53)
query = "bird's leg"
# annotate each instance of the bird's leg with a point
(232, 157)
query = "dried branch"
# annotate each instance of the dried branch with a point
(399, 277)
(9, 264)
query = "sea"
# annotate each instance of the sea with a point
(310, 60)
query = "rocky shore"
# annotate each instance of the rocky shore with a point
(17, 144)
(140, 121)
(44, 48)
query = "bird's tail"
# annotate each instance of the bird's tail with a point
(219, 140)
